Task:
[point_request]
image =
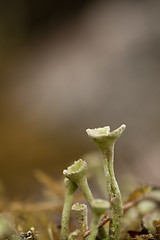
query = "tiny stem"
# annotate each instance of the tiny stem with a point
(70, 188)
(65, 216)
(105, 140)
(114, 194)
(83, 185)
(94, 227)
(107, 175)
(99, 207)
(80, 211)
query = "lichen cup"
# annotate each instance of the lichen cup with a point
(105, 141)
(77, 174)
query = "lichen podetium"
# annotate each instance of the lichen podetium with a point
(105, 141)
(77, 174)
(81, 213)
(70, 188)
(99, 207)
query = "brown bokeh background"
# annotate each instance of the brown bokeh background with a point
(70, 65)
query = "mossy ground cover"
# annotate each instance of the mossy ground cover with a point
(42, 220)
(50, 217)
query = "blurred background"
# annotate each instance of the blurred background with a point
(70, 65)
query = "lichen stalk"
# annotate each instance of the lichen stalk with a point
(114, 197)
(77, 173)
(98, 208)
(94, 228)
(84, 187)
(81, 213)
(70, 188)
(105, 141)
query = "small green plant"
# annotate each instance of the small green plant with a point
(76, 173)
(70, 188)
(99, 207)
(81, 213)
(105, 141)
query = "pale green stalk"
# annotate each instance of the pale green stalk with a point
(99, 207)
(77, 174)
(94, 227)
(70, 188)
(105, 141)
(83, 185)
(114, 198)
(81, 213)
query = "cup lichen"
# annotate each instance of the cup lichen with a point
(105, 141)
(70, 188)
(81, 213)
(99, 207)
(77, 174)
(76, 177)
